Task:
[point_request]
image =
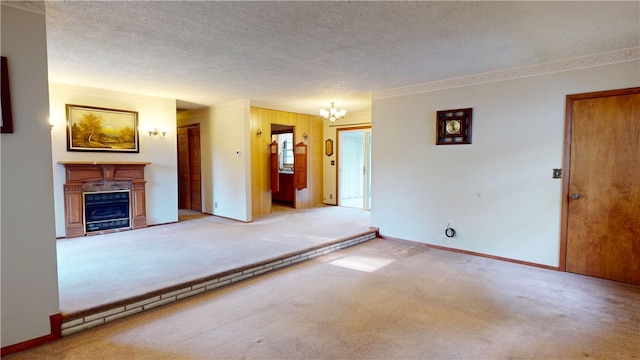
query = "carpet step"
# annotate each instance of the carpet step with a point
(99, 315)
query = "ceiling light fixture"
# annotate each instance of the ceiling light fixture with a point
(333, 113)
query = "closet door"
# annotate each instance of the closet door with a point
(189, 172)
(603, 194)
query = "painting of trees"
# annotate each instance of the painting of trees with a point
(98, 129)
(90, 128)
(127, 135)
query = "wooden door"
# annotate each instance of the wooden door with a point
(274, 169)
(189, 172)
(300, 166)
(603, 185)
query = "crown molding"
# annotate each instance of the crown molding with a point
(612, 57)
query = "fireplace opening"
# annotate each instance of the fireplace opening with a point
(106, 210)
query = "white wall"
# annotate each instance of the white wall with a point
(329, 131)
(161, 175)
(29, 269)
(498, 191)
(231, 158)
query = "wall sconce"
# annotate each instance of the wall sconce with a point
(259, 133)
(156, 132)
(52, 122)
(305, 136)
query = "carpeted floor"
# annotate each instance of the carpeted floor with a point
(97, 270)
(382, 299)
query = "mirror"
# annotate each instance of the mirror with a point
(328, 147)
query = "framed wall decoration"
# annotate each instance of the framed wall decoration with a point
(453, 127)
(328, 147)
(99, 129)
(6, 122)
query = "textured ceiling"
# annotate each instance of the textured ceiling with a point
(300, 56)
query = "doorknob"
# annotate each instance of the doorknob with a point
(575, 196)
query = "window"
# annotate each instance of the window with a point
(287, 151)
(285, 148)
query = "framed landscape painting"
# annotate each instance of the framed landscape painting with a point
(99, 129)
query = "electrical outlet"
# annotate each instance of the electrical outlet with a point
(330, 196)
(215, 205)
(557, 173)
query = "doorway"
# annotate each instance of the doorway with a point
(189, 163)
(354, 167)
(282, 166)
(601, 210)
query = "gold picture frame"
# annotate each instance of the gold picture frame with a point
(328, 147)
(100, 129)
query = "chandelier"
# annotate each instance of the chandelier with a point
(333, 114)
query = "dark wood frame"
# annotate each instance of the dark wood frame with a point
(5, 94)
(465, 116)
(328, 147)
(103, 112)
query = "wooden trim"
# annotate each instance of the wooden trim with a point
(520, 262)
(79, 173)
(566, 176)
(337, 153)
(56, 333)
(261, 198)
(104, 163)
(56, 325)
(354, 128)
(189, 126)
(352, 124)
(566, 173)
(605, 93)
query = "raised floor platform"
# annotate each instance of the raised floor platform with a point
(107, 277)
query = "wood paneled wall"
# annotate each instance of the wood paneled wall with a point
(261, 119)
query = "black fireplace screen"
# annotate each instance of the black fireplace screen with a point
(106, 210)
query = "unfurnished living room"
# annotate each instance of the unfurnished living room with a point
(320, 180)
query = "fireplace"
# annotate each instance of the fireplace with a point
(105, 210)
(103, 197)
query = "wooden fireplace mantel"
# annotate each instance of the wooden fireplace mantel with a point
(81, 174)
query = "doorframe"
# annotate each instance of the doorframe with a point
(338, 130)
(564, 214)
(188, 127)
(285, 129)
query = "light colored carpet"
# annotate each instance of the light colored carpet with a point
(382, 299)
(97, 270)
